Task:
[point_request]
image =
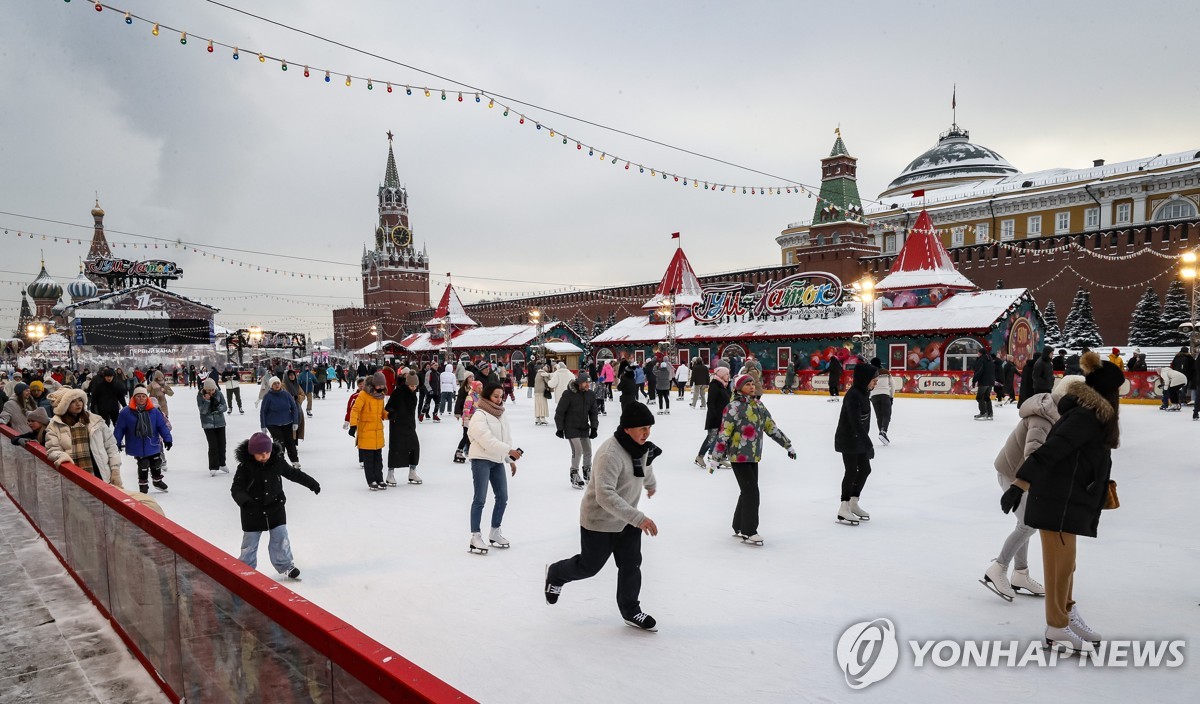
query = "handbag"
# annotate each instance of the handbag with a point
(1111, 500)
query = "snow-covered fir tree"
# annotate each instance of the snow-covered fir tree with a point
(1081, 329)
(1175, 312)
(1145, 326)
(1053, 330)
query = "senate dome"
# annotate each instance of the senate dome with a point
(44, 287)
(954, 159)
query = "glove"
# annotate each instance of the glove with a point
(791, 454)
(168, 445)
(317, 489)
(120, 448)
(653, 453)
(353, 430)
(593, 434)
(346, 425)
(559, 434)
(1011, 498)
(20, 441)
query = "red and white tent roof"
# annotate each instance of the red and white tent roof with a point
(679, 284)
(451, 312)
(923, 262)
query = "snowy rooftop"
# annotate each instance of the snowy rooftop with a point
(679, 284)
(964, 312)
(923, 262)
(478, 338)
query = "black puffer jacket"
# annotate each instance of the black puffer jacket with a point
(1026, 389)
(718, 399)
(700, 375)
(1068, 475)
(401, 408)
(258, 488)
(985, 371)
(1043, 375)
(576, 415)
(628, 388)
(853, 434)
(107, 396)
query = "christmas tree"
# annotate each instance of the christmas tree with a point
(1175, 312)
(1081, 329)
(1053, 331)
(1145, 327)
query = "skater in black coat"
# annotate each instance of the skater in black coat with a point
(1043, 372)
(853, 440)
(404, 447)
(835, 377)
(718, 399)
(983, 380)
(108, 396)
(1067, 480)
(628, 387)
(577, 420)
(258, 490)
(1026, 389)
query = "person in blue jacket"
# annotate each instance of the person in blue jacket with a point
(279, 416)
(308, 384)
(143, 433)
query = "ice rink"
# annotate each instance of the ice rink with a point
(736, 623)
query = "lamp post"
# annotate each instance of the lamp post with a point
(535, 319)
(864, 293)
(375, 331)
(667, 312)
(1189, 273)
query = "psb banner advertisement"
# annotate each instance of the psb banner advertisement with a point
(929, 383)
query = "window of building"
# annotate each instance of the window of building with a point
(1008, 229)
(1033, 226)
(889, 242)
(1091, 218)
(962, 353)
(1123, 210)
(958, 237)
(790, 257)
(1062, 223)
(983, 233)
(1175, 210)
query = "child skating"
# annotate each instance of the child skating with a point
(853, 440)
(258, 490)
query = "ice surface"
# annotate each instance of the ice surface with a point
(737, 623)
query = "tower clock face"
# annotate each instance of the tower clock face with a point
(401, 237)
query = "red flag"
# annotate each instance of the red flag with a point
(674, 235)
(920, 193)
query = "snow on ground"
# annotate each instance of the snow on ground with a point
(736, 622)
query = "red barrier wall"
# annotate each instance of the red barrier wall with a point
(205, 626)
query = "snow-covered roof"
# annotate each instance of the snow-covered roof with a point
(679, 284)
(953, 157)
(376, 346)
(76, 305)
(967, 312)
(450, 311)
(923, 262)
(478, 338)
(562, 348)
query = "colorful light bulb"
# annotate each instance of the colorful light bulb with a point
(235, 53)
(676, 178)
(551, 133)
(128, 18)
(347, 81)
(578, 145)
(327, 77)
(564, 140)
(443, 94)
(627, 166)
(389, 87)
(306, 72)
(460, 96)
(426, 92)
(183, 37)
(641, 169)
(407, 90)
(283, 65)
(539, 125)
(99, 7)
(262, 59)
(491, 103)
(522, 120)
(369, 85)
(154, 31)
(590, 152)
(477, 97)
(505, 112)
(210, 46)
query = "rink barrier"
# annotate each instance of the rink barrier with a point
(204, 625)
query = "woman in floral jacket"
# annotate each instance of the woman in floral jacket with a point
(740, 442)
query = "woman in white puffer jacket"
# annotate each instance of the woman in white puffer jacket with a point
(491, 447)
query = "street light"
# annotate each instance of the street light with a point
(378, 341)
(864, 292)
(1189, 273)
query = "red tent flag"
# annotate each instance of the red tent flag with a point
(919, 193)
(674, 235)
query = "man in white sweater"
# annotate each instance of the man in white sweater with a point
(610, 522)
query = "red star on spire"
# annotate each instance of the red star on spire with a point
(389, 134)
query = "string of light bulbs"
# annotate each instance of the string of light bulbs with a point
(479, 97)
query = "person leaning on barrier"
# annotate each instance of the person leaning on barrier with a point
(36, 423)
(82, 438)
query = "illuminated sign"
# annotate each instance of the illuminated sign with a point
(120, 270)
(810, 291)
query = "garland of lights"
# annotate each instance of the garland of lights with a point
(478, 98)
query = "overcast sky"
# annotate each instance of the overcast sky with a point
(185, 144)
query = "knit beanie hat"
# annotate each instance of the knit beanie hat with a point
(722, 373)
(1102, 375)
(37, 385)
(38, 415)
(209, 384)
(379, 380)
(741, 380)
(636, 415)
(259, 443)
(63, 397)
(583, 378)
(140, 390)
(19, 388)
(270, 382)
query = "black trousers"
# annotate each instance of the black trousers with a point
(109, 416)
(883, 411)
(745, 514)
(152, 466)
(284, 435)
(664, 397)
(464, 445)
(372, 462)
(983, 396)
(835, 387)
(594, 550)
(230, 394)
(858, 468)
(216, 447)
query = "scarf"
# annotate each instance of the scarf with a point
(81, 448)
(144, 428)
(490, 408)
(636, 451)
(291, 387)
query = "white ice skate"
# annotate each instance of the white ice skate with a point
(1066, 640)
(413, 478)
(1022, 580)
(497, 539)
(845, 515)
(391, 477)
(224, 469)
(883, 438)
(477, 545)
(755, 539)
(700, 463)
(858, 510)
(995, 578)
(1080, 628)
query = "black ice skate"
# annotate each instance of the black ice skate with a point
(553, 591)
(576, 480)
(643, 621)
(160, 485)
(294, 574)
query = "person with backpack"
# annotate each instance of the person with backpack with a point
(257, 489)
